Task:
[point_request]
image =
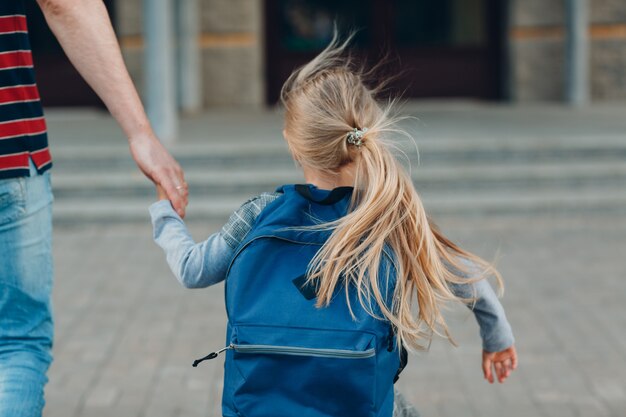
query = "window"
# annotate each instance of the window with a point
(308, 25)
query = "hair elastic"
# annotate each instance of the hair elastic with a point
(355, 137)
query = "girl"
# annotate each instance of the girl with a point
(359, 228)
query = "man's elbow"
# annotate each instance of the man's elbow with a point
(55, 8)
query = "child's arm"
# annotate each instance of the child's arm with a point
(495, 330)
(195, 265)
(503, 362)
(499, 352)
(198, 265)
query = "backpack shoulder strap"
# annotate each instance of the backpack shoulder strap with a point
(335, 195)
(404, 360)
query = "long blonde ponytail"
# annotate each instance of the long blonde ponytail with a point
(324, 101)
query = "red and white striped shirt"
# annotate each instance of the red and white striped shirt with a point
(23, 133)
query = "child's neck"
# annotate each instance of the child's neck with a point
(344, 177)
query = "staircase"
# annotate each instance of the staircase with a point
(491, 161)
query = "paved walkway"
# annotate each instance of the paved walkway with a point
(127, 332)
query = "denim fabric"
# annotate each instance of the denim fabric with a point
(195, 265)
(199, 265)
(26, 328)
(403, 408)
(495, 330)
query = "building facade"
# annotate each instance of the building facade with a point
(485, 49)
(537, 49)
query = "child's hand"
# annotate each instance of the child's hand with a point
(161, 194)
(503, 362)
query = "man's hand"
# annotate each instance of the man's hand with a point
(84, 30)
(158, 165)
(503, 363)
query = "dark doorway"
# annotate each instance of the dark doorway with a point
(443, 48)
(59, 83)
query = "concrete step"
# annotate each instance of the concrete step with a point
(234, 180)
(469, 203)
(434, 151)
(466, 174)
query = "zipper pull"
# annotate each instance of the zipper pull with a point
(212, 355)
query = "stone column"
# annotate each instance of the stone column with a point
(189, 78)
(160, 71)
(576, 52)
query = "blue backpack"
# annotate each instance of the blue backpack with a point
(284, 356)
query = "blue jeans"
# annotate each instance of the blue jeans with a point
(26, 328)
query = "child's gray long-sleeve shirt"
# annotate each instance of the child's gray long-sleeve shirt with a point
(199, 265)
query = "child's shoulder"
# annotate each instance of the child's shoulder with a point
(259, 202)
(241, 221)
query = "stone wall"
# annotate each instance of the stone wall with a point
(537, 49)
(128, 22)
(232, 49)
(233, 61)
(608, 53)
(231, 44)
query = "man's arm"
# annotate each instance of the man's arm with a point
(84, 30)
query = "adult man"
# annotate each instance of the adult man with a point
(26, 330)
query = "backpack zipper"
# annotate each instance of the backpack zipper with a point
(289, 350)
(301, 351)
(212, 355)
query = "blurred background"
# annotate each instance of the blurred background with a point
(519, 113)
(486, 49)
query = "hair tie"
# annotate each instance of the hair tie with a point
(355, 137)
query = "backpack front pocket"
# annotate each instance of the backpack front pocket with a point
(306, 372)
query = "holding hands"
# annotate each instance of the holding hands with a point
(161, 194)
(158, 165)
(503, 363)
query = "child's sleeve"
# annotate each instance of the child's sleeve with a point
(495, 329)
(195, 265)
(241, 221)
(199, 265)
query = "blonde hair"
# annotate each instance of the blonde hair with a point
(324, 101)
